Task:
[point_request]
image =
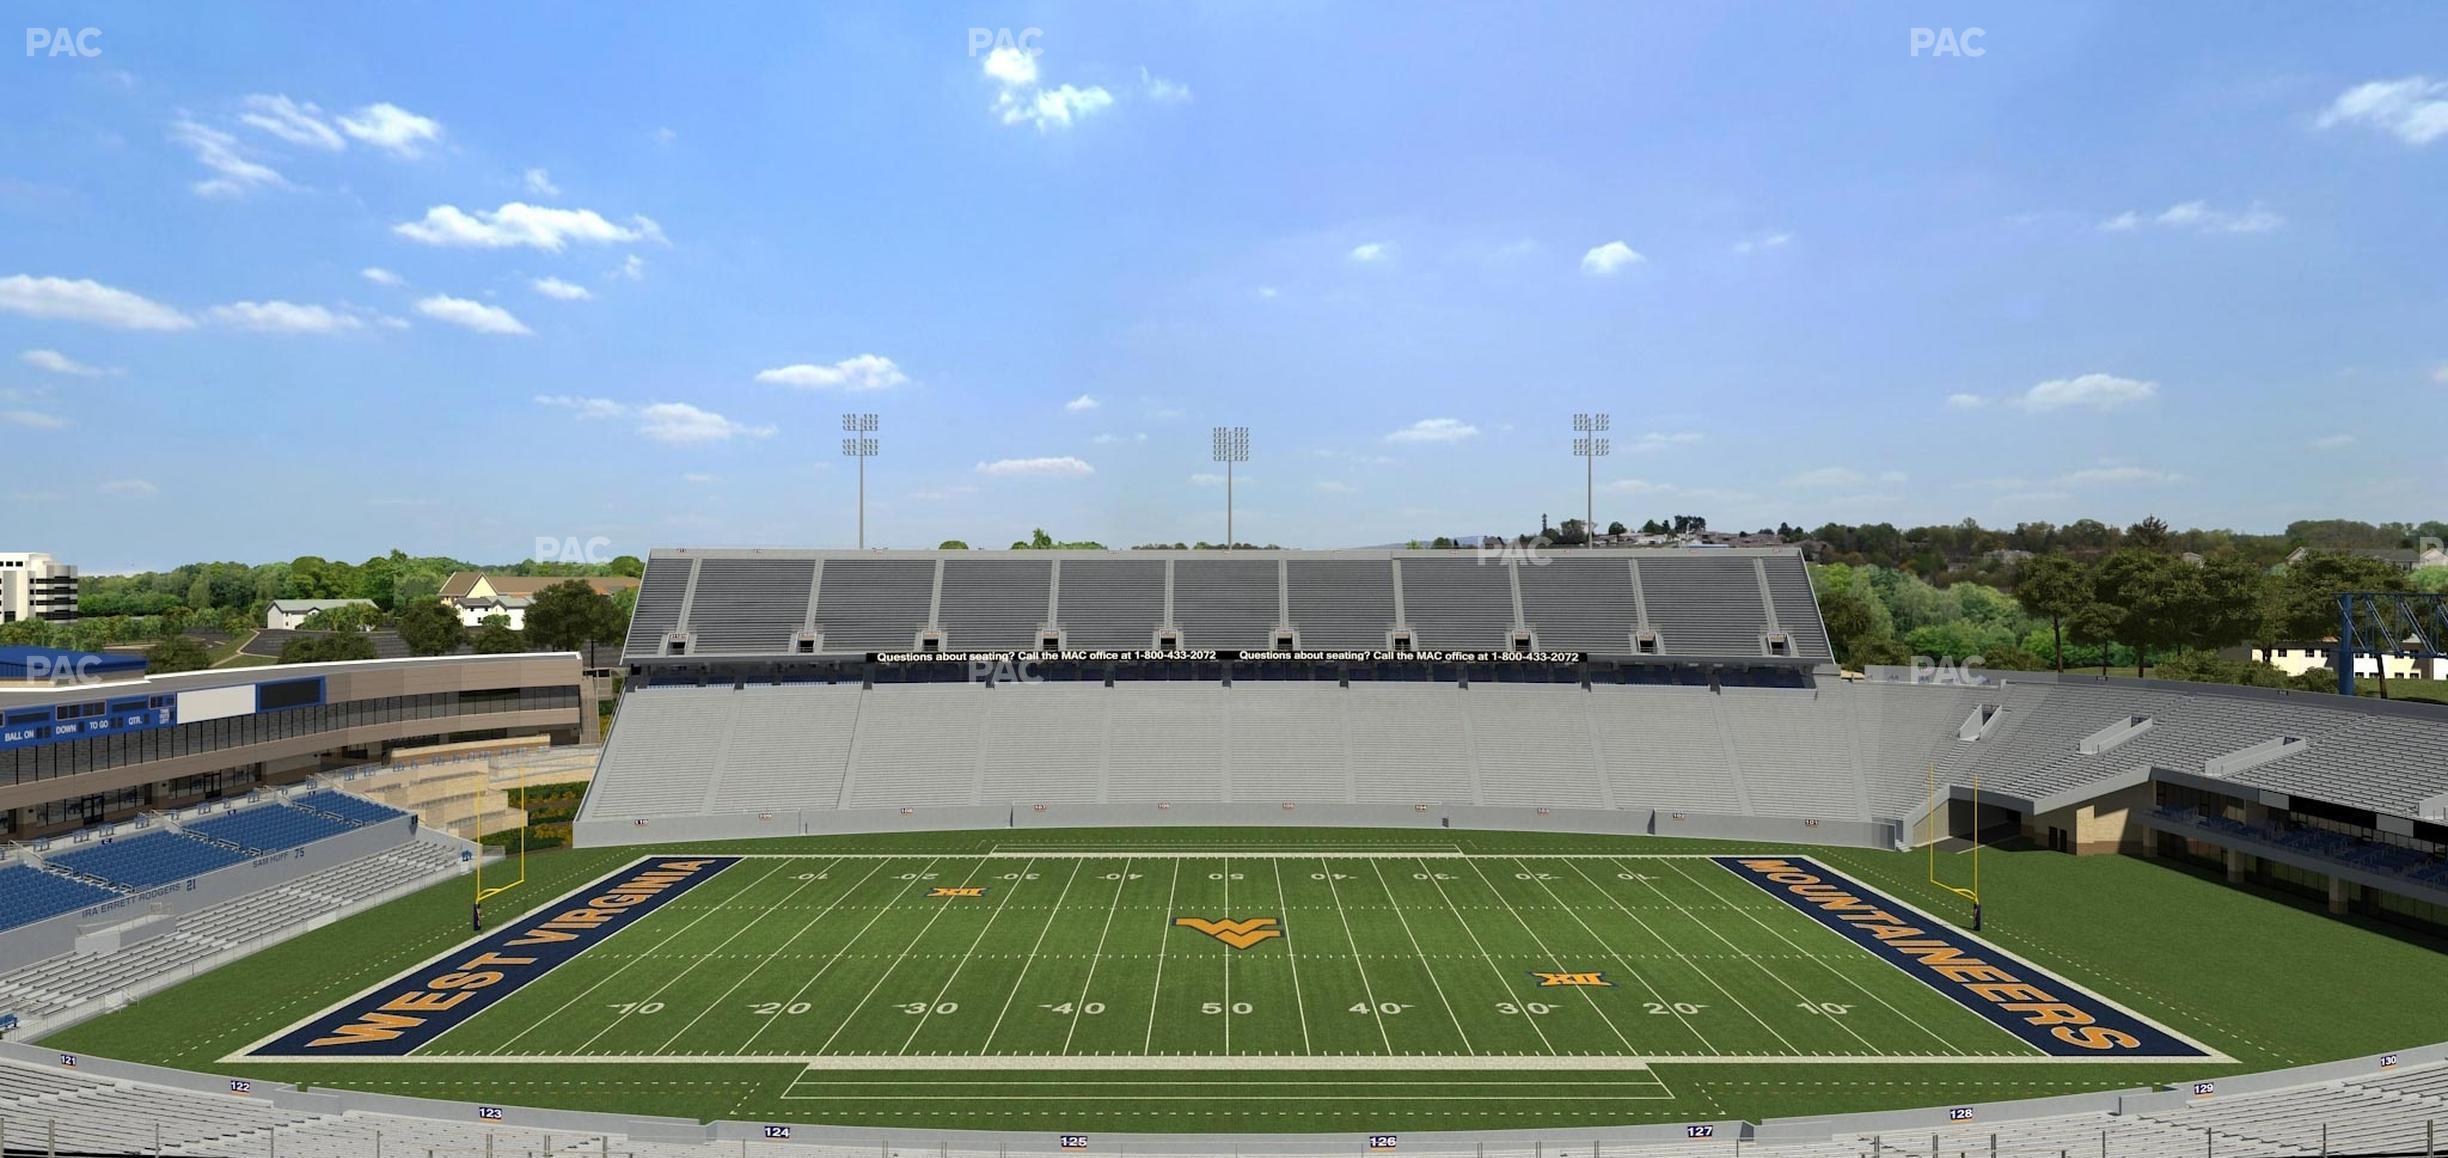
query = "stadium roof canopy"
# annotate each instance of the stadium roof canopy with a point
(1717, 605)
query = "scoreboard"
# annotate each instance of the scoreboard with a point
(115, 715)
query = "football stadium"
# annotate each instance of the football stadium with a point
(1261, 852)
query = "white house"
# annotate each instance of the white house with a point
(287, 614)
(2296, 658)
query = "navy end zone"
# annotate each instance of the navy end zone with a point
(404, 1014)
(2052, 1016)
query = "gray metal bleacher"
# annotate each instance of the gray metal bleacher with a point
(1111, 603)
(1226, 603)
(1341, 603)
(994, 604)
(863, 604)
(764, 604)
(1457, 603)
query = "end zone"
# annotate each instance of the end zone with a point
(407, 1012)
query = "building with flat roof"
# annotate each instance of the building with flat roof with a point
(36, 586)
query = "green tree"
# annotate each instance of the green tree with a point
(430, 627)
(952, 545)
(2300, 603)
(347, 617)
(1852, 622)
(177, 653)
(2053, 587)
(330, 648)
(573, 616)
(2147, 601)
(497, 639)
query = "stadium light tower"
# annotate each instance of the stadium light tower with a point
(1231, 446)
(862, 448)
(1590, 448)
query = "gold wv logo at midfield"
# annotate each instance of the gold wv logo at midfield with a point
(1240, 934)
(958, 891)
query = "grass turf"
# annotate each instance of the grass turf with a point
(884, 970)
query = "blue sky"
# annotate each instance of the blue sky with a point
(295, 279)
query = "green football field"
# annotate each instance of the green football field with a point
(1223, 979)
(1035, 960)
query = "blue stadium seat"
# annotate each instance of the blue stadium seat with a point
(354, 809)
(146, 859)
(270, 828)
(28, 895)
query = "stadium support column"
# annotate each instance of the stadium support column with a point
(1589, 448)
(2344, 659)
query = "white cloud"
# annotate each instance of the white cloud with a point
(32, 419)
(519, 223)
(476, 316)
(1660, 440)
(1162, 91)
(392, 129)
(284, 318)
(2333, 442)
(380, 276)
(1267, 292)
(1010, 67)
(632, 268)
(682, 424)
(1434, 430)
(666, 135)
(1052, 108)
(1965, 402)
(1081, 404)
(553, 287)
(1111, 439)
(59, 299)
(1336, 487)
(2118, 476)
(55, 362)
(2199, 217)
(2413, 109)
(938, 494)
(698, 478)
(1371, 251)
(582, 407)
(540, 183)
(1206, 480)
(2440, 374)
(1762, 243)
(1827, 477)
(219, 152)
(1062, 467)
(298, 124)
(129, 488)
(864, 372)
(1604, 260)
(2089, 391)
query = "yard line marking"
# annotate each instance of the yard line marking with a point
(1558, 962)
(811, 923)
(1227, 951)
(1688, 963)
(1618, 955)
(974, 942)
(1291, 954)
(1503, 982)
(1779, 978)
(868, 996)
(695, 961)
(1823, 962)
(716, 907)
(1021, 981)
(1366, 989)
(1098, 958)
(1425, 965)
(1164, 924)
(917, 879)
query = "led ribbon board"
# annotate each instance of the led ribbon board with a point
(2054, 1017)
(409, 1011)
